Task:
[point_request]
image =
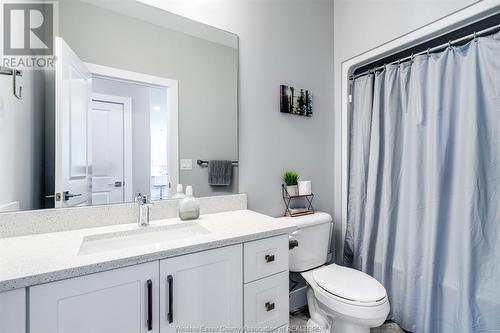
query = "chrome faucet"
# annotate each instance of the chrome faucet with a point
(144, 209)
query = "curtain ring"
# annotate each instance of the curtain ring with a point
(475, 36)
(412, 57)
(429, 52)
(399, 62)
(449, 45)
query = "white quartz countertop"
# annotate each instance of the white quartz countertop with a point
(36, 259)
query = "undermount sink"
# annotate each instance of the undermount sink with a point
(148, 236)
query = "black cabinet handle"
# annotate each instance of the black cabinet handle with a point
(269, 306)
(269, 258)
(150, 305)
(170, 313)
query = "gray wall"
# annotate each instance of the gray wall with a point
(293, 41)
(281, 42)
(21, 141)
(206, 71)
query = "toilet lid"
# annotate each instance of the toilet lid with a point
(349, 284)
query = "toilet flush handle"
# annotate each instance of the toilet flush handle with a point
(292, 240)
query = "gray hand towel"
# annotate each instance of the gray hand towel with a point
(220, 173)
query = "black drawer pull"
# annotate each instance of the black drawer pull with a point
(269, 306)
(150, 305)
(170, 313)
(269, 257)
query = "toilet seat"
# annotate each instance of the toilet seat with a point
(349, 285)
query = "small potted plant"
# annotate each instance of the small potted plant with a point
(291, 178)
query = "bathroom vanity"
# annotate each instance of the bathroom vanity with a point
(222, 272)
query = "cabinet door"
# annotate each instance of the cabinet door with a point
(202, 290)
(123, 300)
(13, 311)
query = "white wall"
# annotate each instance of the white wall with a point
(364, 25)
(281, 42)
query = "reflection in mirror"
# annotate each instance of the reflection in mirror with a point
(119, 109)
(135, 93)
(159, 145)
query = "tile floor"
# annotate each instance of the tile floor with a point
(299, 319)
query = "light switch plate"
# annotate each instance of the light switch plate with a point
(186, 164)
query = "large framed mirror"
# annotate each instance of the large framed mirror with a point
(139, 100)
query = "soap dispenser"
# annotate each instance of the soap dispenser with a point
(189, 207)
(180, 193)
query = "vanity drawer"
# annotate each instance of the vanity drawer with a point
(265, 257)
(266, 302)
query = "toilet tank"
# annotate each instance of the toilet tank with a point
(313, 237)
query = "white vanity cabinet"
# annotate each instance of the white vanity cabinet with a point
(123, 300)
(216, 290)
(202, 290)
(13, 311)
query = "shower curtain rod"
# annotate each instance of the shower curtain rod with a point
(442, 47)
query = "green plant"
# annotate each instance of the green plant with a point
(290, 178)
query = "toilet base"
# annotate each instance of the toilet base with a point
(342, 326)
(311, 326)
(326, 322)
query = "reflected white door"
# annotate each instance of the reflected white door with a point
(72, 162)
(107, 152)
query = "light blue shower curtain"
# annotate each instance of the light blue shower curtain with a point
(424, 188)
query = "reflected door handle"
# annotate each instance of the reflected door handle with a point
(117, 184)
(56, 196)
(68, 195)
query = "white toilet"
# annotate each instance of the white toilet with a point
(340, 299)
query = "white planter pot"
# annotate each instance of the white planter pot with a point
(293, 190)
(305, 187)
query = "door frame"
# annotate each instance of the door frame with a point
(456, 20)
(171, 88)
(127, 139)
